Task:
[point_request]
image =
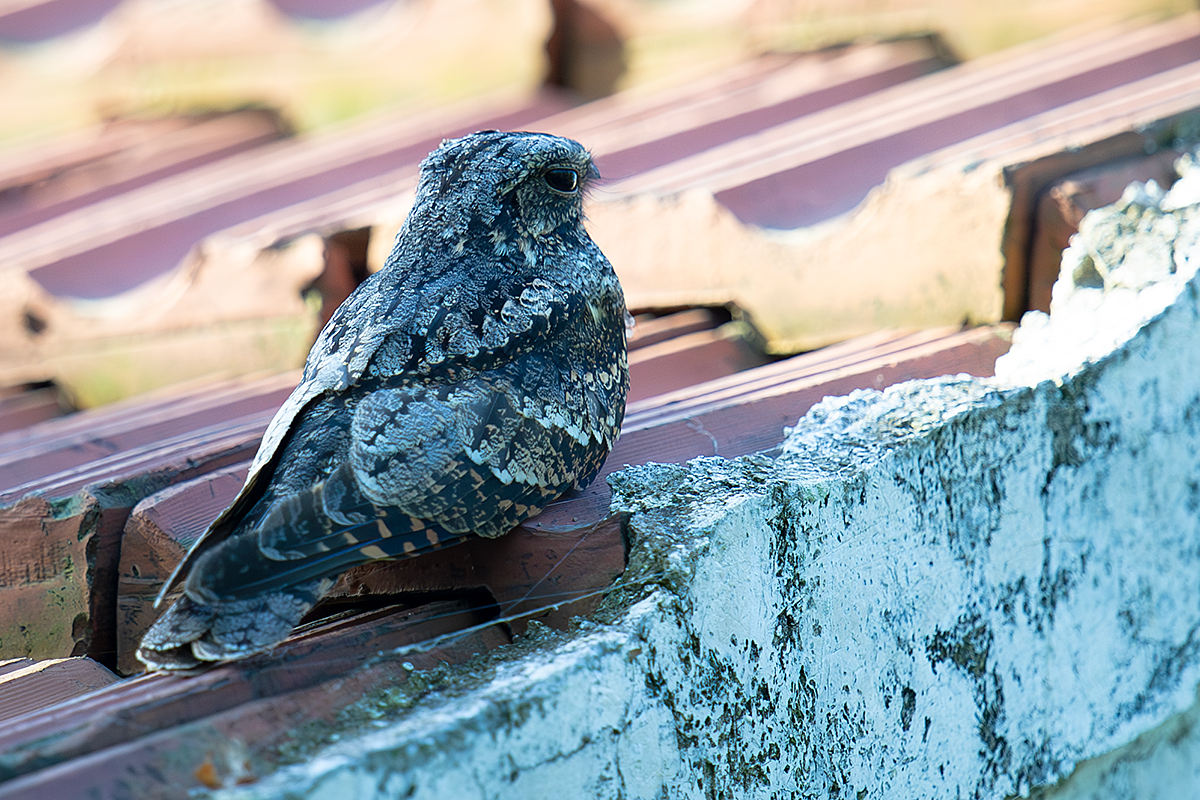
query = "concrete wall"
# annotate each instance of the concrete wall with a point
(954, 588)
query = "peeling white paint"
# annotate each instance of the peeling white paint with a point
(953, 588)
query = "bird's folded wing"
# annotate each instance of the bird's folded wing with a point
(378, 322)
(429, 466)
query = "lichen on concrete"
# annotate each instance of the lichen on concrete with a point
(951, 588)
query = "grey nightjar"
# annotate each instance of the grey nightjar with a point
(477, 376)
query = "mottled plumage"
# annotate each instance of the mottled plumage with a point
(480, 374)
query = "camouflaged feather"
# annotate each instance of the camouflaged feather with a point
(477, 376)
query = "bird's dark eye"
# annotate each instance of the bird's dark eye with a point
(563, 180)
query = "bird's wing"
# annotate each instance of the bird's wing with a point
(429, 465)
(423, 337)
(337, 359)
(418, 335)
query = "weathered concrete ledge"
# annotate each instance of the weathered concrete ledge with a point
(954, 588)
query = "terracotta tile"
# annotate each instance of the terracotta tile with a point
(922, 248)
(650, 329)
(638, 131)
(33, 22)
(37, 184)
(690, 359)
(13, 664)
(41, 684)
(125, 240)
(23, 406)
(63, 535)
(71, 443)
(1061, 207)
(160, 730)
(816, 167)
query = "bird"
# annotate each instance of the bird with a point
(478, 375)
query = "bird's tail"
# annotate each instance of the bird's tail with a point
(192, 634)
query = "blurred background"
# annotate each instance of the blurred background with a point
(68, 64)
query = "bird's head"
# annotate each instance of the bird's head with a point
(512, 185)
